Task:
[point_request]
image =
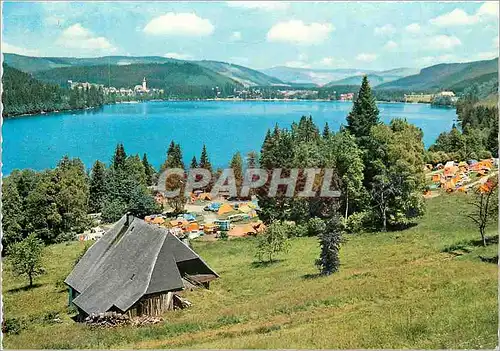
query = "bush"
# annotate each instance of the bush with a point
(315, 226)
(273, 241)
(296, 230)
(13, 325)
(223, 235)
(356, 222)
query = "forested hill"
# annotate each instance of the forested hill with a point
(244, 75)
(23, 94)
(449, 76)
(33, 64)
(175, 77)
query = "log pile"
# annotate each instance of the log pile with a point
(180, 303)
(113, 319)
(108, 319)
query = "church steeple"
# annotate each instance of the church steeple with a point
(144, 84)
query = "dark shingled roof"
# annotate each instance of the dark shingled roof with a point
(131, 260)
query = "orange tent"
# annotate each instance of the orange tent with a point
(193, 226)
(225, 208)
(242, 230)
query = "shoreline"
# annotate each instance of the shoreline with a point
(24, 115)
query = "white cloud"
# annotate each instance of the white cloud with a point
(178, 56)
(486, 55)
(386, 29)
(327, 61)
(331, 62)
(260, 5)
(235, 36)
(297, 64)
(78, 37)
(179, 24)
(457, 17)
(495, 42)
(12, 49)
(298, 32)
(434, 60)
(390, 45)
(413, 28)
(489, 9)
(365, 57)
(442, 42)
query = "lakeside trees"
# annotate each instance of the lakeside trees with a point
(378, 168)
(23, 94)
(476, 136)
(54, 204)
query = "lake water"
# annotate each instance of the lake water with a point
(39, 142)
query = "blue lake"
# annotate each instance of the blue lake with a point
(39, 142)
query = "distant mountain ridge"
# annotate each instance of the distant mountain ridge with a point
(163, 72)
(340, 76)
(452, 76)
(376, 78)
(240, 75)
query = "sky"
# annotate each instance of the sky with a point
(259, 34)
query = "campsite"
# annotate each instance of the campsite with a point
(429, 286)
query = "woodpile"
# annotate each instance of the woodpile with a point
(113, 319)
(180, 303)
(108, 319)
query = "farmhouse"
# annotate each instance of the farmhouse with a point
(134, 269)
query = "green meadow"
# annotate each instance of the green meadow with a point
(429, 286)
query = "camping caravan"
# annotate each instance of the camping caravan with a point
(135, 269)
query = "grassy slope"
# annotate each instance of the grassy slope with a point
(394, 290)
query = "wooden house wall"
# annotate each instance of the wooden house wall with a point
(152, 305)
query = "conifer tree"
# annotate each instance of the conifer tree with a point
(364, 114)
(237, 167)
(326, 131)
(97, 186)
(204, 161)
(119, 157)
(329, 240)
(148, 169)
(194, 162)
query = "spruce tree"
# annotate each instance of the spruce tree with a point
(174, 157)
(119, 157)
(148, 169)
(178, 156)
(204, 161)
(194, 163)
(237, 167)
(97, 186)
(329, 240)
(326, 131)
(364, 114)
